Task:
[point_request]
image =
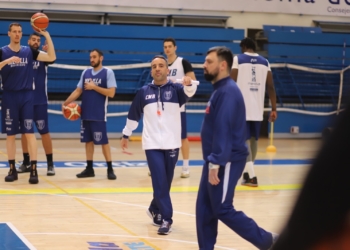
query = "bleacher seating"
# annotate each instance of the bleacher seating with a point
(307, 46)
(124, 44)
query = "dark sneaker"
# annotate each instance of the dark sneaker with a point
(165, 228)
(12, 175)
(33, 179)
(253, 182)
(245, 178)
(111, 175)
(50, 170)
(87, 173)
(24, 168)
(157, 218)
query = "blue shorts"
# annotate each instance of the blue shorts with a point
(41, 118)
(17, 112)
(95, 131)
(183, 125)
(253, 129)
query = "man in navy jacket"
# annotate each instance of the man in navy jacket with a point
(223, 136)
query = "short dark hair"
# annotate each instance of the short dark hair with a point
(170, 39)
(34, 34)
(14, 24)
(248, 43)
(99, 52)
(161, 57)
(224, 54)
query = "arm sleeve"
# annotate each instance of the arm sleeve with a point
(134, 115)
(185, 92)
(235, 63)
(187, 66)
(35, 53)
(225, 104)
(80, 83)
(111, 82)
(0, 55)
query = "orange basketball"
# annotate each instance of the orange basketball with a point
(39, 21)
(72, 111)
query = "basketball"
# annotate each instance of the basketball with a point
(72, 111)
(39, 21)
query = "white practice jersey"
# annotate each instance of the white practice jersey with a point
(177, 70)
(251, 80)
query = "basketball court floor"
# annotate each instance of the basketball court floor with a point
(63, 212)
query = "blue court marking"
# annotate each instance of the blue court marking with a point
(82, 164)
(12, 239)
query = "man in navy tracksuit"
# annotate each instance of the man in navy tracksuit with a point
(224, 152)
(160, 103)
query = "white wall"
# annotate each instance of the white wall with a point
(242, 20)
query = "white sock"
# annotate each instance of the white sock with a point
(185, 165)
(249, 167)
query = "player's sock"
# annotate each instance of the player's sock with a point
(185, 166)
(33, 178)
(89, 164)
(249, 167)
(109, 166)
(12, 163)
(26, 159)
(49, 158)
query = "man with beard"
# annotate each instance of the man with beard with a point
(252, 73)
(96, 85)
(40, 111)
(16, 65)
(160, 103)
(224, 152)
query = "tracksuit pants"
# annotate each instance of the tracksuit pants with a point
(216, 203)
(162, 164)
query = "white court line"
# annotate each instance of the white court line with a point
(20, 235)
(93, 199)
(128, 236)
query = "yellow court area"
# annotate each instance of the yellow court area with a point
(63, 212)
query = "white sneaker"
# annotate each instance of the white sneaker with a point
(185, 173)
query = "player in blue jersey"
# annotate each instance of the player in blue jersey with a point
(16, 64)
(253, 74)
(96, 85)
(224, 152)
(40, 111)
(160, 103)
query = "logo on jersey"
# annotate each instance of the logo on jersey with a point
(36, 65)
(253, 74)
(153, 96)
(40, 124)
(22, 62)
(8, 119)
(96, 81)
(172, 153)
(172, 72)
(7, 113)
(28, 123)
(207, 109)
(167, 95)
(97, 136)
